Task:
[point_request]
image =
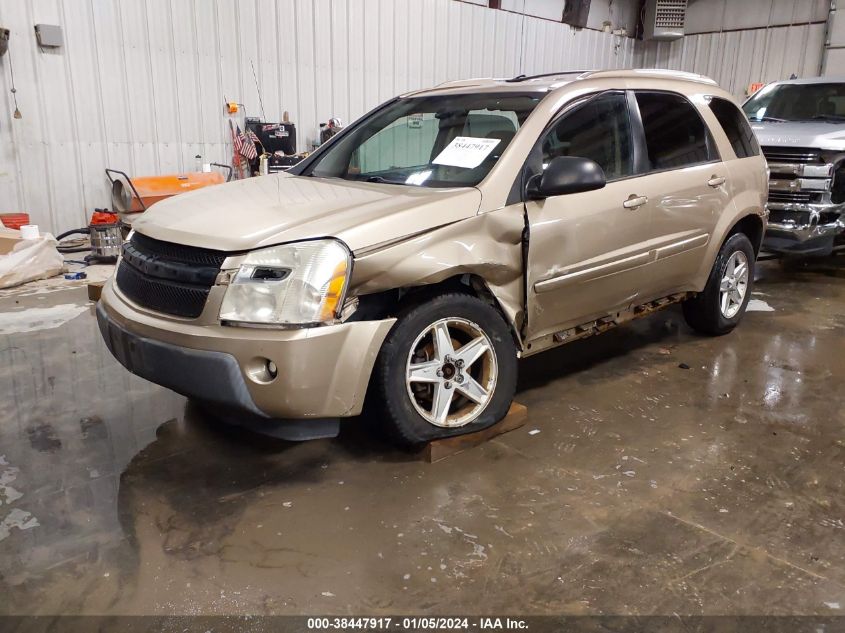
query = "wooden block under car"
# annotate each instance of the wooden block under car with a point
(440, 449)
(95, 289)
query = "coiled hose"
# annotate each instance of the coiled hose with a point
(78, 245)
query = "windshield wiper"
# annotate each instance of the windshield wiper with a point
(381, 179)
(829, 117)
(771, 119)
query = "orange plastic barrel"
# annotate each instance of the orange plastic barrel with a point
(14, 220)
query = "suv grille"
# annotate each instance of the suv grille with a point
(167, 277)
(807, 156)
(178, 252)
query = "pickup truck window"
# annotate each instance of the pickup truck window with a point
(600, 130)
(435, 141)
(736, 128)
(675, 133)
(798, 102)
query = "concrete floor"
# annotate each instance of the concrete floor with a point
(649, 488)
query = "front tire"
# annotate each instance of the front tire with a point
(447, 367)
(719, 308)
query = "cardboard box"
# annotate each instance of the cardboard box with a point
(8, 239)
(95, 290)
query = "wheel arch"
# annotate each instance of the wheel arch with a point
(390, 303)
(481, 255)
(752, 225)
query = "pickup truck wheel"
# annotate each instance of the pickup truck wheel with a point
(719, 308)
(447, 367)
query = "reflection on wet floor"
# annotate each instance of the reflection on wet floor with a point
(648, 489)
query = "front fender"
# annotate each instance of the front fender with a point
(488, 245)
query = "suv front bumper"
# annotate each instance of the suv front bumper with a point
(322, 372)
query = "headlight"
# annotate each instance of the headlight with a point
(293, 284)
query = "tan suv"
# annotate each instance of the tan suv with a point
(417, 255)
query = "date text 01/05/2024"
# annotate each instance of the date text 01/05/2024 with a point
(416, 623)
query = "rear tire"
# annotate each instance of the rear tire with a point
(720, 306)
(451, 353)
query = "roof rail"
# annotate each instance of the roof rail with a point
(520, 78)
(651, 72)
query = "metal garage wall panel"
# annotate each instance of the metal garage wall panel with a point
(370, 61)
(304, 33)
(356, 44)
(186, 87)
(415, 33)
(140, 84)
(736, 59)
(453, 63)
(339, 63)
(718, 15)
(386, 50)
(249, 31)
(266, 54)
(163, 82)
(323, 44)
(286, 61)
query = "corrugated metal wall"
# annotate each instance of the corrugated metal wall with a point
(140, 84)
(736, 59)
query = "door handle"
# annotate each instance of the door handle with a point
(634, 201)
(716, 181)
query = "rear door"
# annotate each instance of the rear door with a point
(686, 184)
(747, 178)
(587, 250)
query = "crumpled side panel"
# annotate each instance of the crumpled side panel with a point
(488, 245)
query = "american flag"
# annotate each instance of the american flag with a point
(245, 145)
(253, 140)
(237, 139)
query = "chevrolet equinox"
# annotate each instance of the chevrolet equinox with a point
(413, 258)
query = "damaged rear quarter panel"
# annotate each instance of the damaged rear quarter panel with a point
(488, 245)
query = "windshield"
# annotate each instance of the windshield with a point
(436, 141)
(798, 102)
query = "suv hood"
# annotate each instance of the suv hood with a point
(816, 134)
(269, 210)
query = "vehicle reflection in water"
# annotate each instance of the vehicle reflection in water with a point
(119, 497)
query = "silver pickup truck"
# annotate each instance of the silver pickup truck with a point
(801, 127)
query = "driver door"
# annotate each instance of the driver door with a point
(587, 251)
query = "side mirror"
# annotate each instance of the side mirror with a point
(566, 174)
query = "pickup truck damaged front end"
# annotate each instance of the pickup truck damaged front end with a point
(806, 200)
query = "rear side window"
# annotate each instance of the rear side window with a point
(736, 127)
(675, 134)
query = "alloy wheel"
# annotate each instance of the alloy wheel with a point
(451, 372)
(734, 285)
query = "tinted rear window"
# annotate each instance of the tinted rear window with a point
(675, 134)
(736, 127)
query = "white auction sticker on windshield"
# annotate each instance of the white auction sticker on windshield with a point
(466, 151)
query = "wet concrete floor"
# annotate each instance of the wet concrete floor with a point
(649, 488)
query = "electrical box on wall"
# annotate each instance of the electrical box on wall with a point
(575, 13)
(663, 20)
(4, 41)
(49, 35)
